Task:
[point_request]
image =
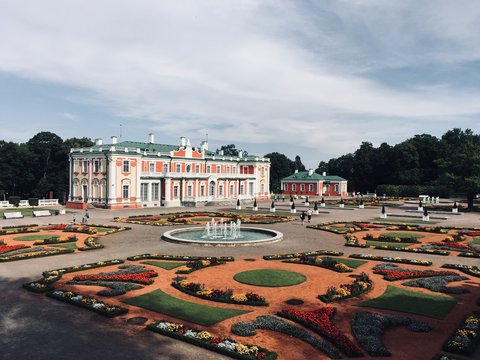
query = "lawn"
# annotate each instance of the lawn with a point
(70, 246)
(393, 234)
(351, 263)
(101, 230)
(270, 277)
(413, 302)
(167, 265)
(163, 303)
(34, 237)
(388, 244)
(475, 241)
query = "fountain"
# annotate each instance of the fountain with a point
(223, 233)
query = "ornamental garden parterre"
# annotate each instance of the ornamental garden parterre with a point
(349, 307)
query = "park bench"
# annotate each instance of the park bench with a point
(12, 215)
(42, 213)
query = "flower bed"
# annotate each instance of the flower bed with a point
(466, 337)
(7, 230)
(8, 248)
(88, 302)
(391, 259)
(38, 286)
(179, 257)
(438, 284)
(296, 255)
(456, 246)
(470, 254)
(360, 285)
(114, 288)
(52, 276)
(55, 240)
(392, 239)
(467, 269)
(392, 272)
(326, 263)
(91, 244)
(337, 227)
(269, 322)
(320, 321)
(33, 252)
(206, 340)
(127, 273)
(225, 296)
(420, 250)
(195, 265)
(352, 240)
(368, 329)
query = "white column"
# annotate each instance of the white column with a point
(112, 181)
(168, 184)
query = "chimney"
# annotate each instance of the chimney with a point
(220, 152)
(324, 173)
(114, 140)
(240, 154)
(310, 172)
(204, 146)
(183, 141)
(296, 171)
(98, 142)
(188, 143)
(151, 138)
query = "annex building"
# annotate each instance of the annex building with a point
(309, 183)
(132, 174)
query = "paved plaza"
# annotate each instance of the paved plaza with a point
(37, 327)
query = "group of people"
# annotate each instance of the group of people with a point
(85, 217)
(307, 216)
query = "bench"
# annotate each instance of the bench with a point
(12, 215)
(42, 213)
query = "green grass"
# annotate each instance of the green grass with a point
(69, 246)
(167, 265)
(388, 244)
(393, 234)
(475, 241)
(403, 221)
(100, 229)
(413, 302)
(33, 237)
(27, 212)
(270, 278)
(351, 263)
(163, 303)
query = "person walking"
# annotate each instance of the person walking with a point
(87, 216)
(302, 217)
(309, 214)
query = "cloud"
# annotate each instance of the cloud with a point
(69, 116)
(254, 71)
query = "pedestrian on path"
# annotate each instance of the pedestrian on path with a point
(302, 217)
(309, 214)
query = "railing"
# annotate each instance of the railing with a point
(181, 175)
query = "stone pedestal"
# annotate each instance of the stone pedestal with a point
(455, 210)
(307, 204)
(341, 205)
(420, 208)
(315, 212)
(272, 210)
(238, 207)
(322, 204)
(426, 218)
(383, 216)
(293, 211)
(361, 206)
(255, 208)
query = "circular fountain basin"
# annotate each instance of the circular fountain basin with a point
(248, 236)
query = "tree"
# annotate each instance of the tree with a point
(280, 167)
(231, 150)
(363, 169)
(298, 164)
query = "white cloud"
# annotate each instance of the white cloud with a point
(69, 116)
(250, 71)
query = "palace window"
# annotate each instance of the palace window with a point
(144, 191)
(285, 186)
(231, 189)
(179, 168)
(241, 189)
(262, 188)
(220, 190)
(189, 190)
(85, 166)
(263, 171)
(165, 168)
(294, 187)
(228, 169)
(126, 166)
(209, 169)
(96, 166)
(310, 187)
(175, 192)
(152, 167)
(197, 169)
(155, 191)
(302, 187)
(218, 169)
(335, 187)
(202, 190)
(125, 192)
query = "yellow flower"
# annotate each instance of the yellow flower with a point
(204, 335)
(204, 292)
(341, 266)
(239, 297)
(205, 262)
(183, 268)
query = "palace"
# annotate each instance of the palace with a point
(131, 174)
(310, 183)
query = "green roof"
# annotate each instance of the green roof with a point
(146, 146)
(304, 175)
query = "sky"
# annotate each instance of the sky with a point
(308, 78)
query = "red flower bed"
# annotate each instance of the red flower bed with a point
(455, 245)
(139, 278)
(7, 248)
(400, 274)
(472, 233)
(321, 321)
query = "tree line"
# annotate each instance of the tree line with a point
(445, 166)
(37, 167)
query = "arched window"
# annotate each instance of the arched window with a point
(95, 189)
(211, 188)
